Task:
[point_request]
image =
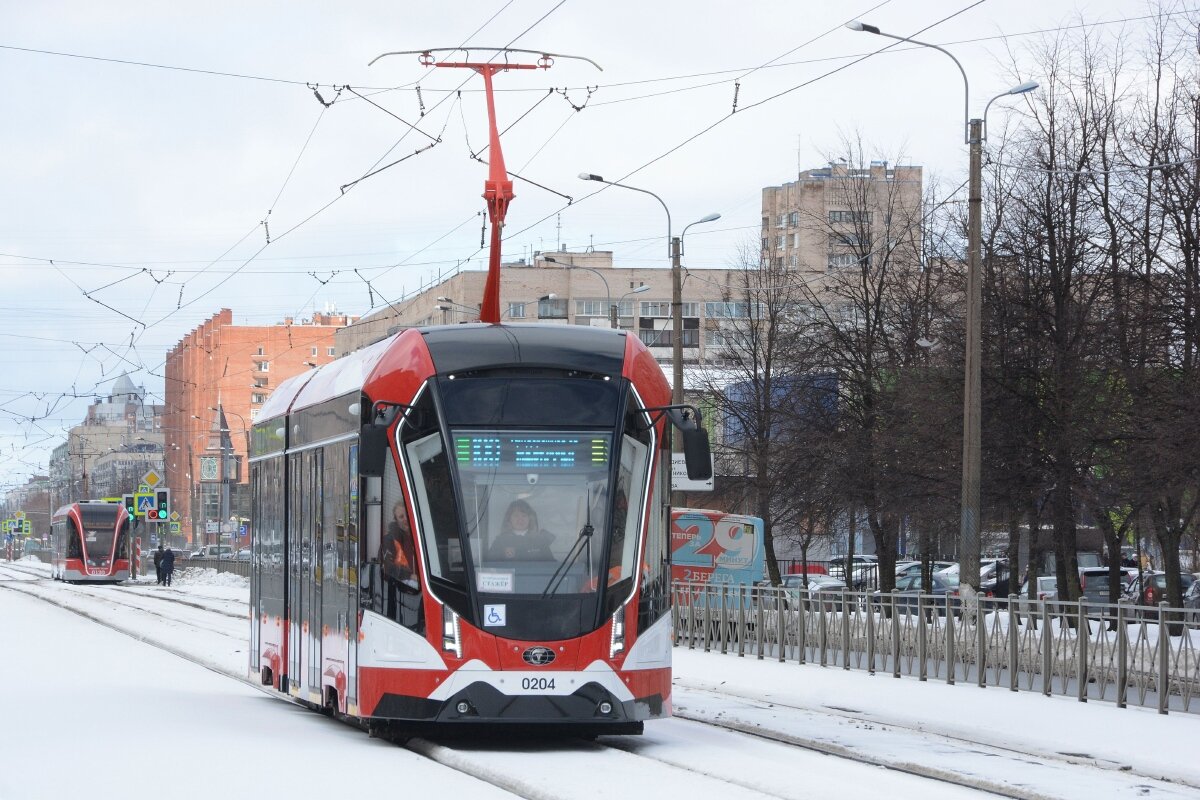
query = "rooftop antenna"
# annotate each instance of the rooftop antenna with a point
(497, 189)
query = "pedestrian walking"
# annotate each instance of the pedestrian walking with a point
(168, 565)
(158, 557)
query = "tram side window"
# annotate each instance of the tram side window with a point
(74, 544)
(122, 549)
(656, 583)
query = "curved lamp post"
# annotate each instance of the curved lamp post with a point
(975, 133)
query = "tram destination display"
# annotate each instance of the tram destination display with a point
(523, 450)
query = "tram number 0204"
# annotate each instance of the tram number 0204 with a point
(537, 684)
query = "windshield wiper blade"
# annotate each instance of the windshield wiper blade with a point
(584, 541)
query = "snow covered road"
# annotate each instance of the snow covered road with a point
(783, 705)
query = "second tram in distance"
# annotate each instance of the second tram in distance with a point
(469, 525)
(91, 543)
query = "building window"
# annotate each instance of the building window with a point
(842, 260)
(260, 383)
(766, 223)
(314, 352)
(262, 366)
(795, 240)
(794, 219)
(554, 308)
(656, 308)
(844, 217)
(591, 308)
(516, 311)
(780, 220)
(765, 241)
(332, 351)
(258, 397)
(260, 351)
(779, 241)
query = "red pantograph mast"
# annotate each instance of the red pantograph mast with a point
(497, 189)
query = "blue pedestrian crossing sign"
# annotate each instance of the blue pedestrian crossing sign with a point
(146, 504)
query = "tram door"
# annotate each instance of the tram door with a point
(295, 593)
(314, 568)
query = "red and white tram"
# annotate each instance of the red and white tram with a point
(91, 542)
(469, 525)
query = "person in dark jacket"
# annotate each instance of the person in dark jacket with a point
(158, 554)
(520, 536)
(168, 565)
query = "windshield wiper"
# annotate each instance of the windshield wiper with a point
(584, 541)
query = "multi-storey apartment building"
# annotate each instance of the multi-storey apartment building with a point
(831, 218)
(217, 377)
(570, 288)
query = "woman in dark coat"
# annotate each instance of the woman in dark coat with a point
(521, 539)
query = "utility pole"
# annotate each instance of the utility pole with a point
(677, 500)
(969, 532)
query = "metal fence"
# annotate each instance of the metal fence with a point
(1130, 655)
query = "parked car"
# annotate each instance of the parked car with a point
(1191, 600)
(818, 587)
(1151, 588)
(914, 567)
(943, 591)
(864, 570)
(243, 554)
(1094, 583)
(1047, 588)
(214, 551)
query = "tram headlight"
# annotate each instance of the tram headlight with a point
(616, 641)
(451, 635)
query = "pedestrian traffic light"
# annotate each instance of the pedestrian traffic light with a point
(164, 503)
(130, 505)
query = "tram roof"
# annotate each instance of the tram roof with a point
(462, 348)
(326, 382)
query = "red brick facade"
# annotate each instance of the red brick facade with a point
(236, 366)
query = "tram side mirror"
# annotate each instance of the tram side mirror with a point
(697, 455)
(372, 451)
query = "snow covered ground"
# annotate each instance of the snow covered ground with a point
(201, 734)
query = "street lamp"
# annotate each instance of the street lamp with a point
(675, 251)
(612, 310)
(975, 133)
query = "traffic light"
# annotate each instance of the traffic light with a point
(163, 496)
(130, 505)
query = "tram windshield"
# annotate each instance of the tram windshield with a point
(538, 509)
(99, 527)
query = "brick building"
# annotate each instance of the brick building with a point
(232, 368)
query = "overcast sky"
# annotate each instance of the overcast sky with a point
(144, 144)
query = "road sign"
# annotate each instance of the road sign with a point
(152, 479)
(19, 514)
(174, 516)
(143, 488)
(174, 527)
(212, 527)
(147, 505)
(242, 530)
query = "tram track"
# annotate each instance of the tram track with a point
(656, 757)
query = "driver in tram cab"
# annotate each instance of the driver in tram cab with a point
(520, 536)
(397, 556)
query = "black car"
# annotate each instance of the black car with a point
(908, 588)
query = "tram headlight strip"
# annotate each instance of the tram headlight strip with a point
(616, 641)
(451, 634)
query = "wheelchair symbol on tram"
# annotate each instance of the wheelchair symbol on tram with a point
(493, 616)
